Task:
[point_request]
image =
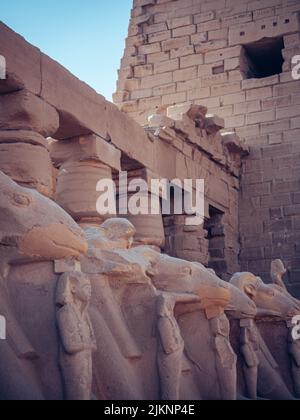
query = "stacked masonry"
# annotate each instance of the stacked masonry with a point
(193, 51)
(92, 140)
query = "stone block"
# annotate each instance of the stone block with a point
(155, 47)
(182, 52)
(142, 71)
(204, 17)
(260, 117)
(175, 43)
(211, 25)
(223, 54)
(67, 266)
(176, 112)
(24, 111)
(267, 28)
(199, 38)
(217, 34)
(179, 22)
(76, 188)
(210, 46)
(259, 83)
(23, 136)
(213, 124)
(185, 74)
(174, 98)
(259, 93)
(23, 63)
(29, 165)
(233, 98)
(184, 31)
(85, 148)
(159, 37)
(149, 228)
(191, 60)
(165, 66)
(224, 89)
(156, 80)
(164, 89)
(158, 120)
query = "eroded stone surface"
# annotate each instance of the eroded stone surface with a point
(24, 111)
(85, 148)
(77, 340)
(209, 53)
(123, 319)
(134, 291)
(262, 372)
(77, 188)
(34, 226)
(28, 164)
(22, 136)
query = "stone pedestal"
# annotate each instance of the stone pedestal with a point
(149, 223)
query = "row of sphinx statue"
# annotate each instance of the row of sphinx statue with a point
(91, 316)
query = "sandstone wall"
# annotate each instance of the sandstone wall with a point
(217, 160)
(188, 51)
(124, 322)
(94, 140)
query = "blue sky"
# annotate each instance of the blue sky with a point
(85, 36)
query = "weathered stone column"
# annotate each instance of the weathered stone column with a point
(149, 227)
(82, 162)
(25, 123)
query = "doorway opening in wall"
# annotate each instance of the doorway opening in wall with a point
(216, 237)
(262, 58)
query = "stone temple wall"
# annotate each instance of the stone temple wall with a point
(233, 56)
(41, 99)
(88, 313)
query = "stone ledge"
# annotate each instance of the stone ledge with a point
(81, 109)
